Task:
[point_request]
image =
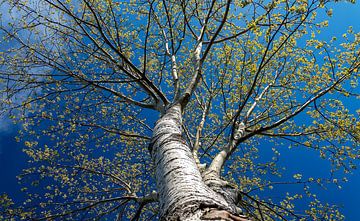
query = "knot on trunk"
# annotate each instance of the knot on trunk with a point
(216, 214)
(225, 189)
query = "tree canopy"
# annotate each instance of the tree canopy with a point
(88, 79)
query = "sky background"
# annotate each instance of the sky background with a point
(13, 160)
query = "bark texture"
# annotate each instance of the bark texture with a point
(183, 195)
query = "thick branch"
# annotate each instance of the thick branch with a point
(199, 131)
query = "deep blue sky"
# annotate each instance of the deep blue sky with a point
(12, 159)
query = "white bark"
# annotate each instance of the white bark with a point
(182, 193)
(196, 146)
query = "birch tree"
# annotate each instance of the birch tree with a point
(177, 110)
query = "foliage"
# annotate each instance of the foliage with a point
(88, 79)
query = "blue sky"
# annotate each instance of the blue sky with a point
(12, 159)
(345, 15)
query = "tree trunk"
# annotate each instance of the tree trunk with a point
(183, 195)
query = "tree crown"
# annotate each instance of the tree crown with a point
(88, 79)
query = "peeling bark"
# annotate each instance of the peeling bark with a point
(183, 195)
